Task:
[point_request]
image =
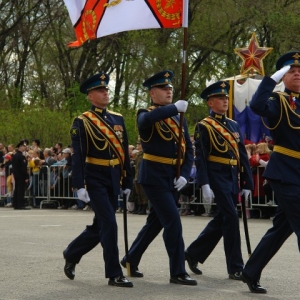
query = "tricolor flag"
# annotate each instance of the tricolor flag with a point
(96, 18)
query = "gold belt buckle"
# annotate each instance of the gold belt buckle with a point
(174, 161)
(112, 163)
(231, 161)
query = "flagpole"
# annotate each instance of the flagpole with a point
(183, 78)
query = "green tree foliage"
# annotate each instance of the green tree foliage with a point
(40, 76)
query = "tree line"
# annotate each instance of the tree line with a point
(40, 76)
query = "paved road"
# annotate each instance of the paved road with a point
(31, 263)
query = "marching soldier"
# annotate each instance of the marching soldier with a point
(159, 131)
(100, 161)
(282, 110)
(221, 158)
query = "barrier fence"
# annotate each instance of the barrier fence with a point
(52, 185)
(257, 201)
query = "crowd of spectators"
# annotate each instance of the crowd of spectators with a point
(58, 158)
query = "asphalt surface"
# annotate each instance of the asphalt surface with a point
(31, 262)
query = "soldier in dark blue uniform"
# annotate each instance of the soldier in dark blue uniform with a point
(221, 159)
(282, 111)
(100, 162)
(159, 130)
(19, 169)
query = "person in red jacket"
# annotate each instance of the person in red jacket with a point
(258, 161)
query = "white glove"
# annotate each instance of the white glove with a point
(279, 74)
(127, 192)
(207, 194)
(263, 163)
(179, 183)
(246, 193)
(83, 195)
(181, 105)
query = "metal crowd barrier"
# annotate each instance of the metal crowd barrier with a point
(51, 185)
(253, 203)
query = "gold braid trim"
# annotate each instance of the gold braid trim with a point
(89, 126)
(160, 131)
(283, 105)
(214, 139)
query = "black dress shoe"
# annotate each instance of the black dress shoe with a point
(193, 264)
(235, 276)
(70, 270)
(120, 281)
(183, 279)
(134, 271)
(253, 286)
(24, 208)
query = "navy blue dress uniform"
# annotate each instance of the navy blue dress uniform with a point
(221, 159)
(156, 175)
(282, 116)
(101, 163)
(19, 169)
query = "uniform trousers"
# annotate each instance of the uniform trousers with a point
(19, 193)
(104, 230)
(226, 224)
(285, 222)
(163, 214)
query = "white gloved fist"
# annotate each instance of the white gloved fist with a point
(181, 105)
(246, 193)
(263, 163)
(207, 194)
(179, 183)
(83, 195)
(279, 74)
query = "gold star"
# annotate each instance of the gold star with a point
(252, 56)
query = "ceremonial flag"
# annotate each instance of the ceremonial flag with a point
(96, 18)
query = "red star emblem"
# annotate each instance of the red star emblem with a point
(252, 56)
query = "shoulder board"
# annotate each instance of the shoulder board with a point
(276, 95)
(114, 113)
(81, 116)
(231, 120)
(282, 93)
(142, 110)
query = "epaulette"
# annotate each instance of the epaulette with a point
(142, 110)
(151, 108)
(231, 120)
(114, 113)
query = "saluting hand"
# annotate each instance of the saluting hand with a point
(279, 74)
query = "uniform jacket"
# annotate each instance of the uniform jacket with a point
(83, 146)
(218, 175)
(159, 174)
(286, 133)
(19, 166)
